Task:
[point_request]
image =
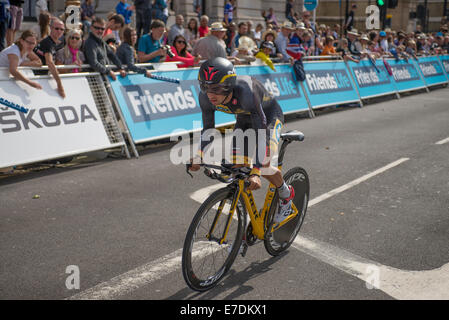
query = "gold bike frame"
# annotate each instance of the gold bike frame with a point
(257, 219)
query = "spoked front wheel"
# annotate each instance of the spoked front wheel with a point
(212, 241)
(281, 238)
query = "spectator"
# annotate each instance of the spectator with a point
(42, 29)
(143, 14)
(127, 52)
(179, 49)
(364, 42)
(244, 51)
(98, 53)
(4, 22)
(192, 33)
(125, 10)
(353, 44)
(150, 45)
(306, 20)
(383, 41)
(87, 14)
(160, 10)
(71, 53)
(230, 36)
(270, 36)
(16, 12)
(289, 12)
(349, 22)
(47, 48)
(329, 49)
(271, 17)
(115, 23)
(283, 39)
(213, 45)
(204, 26)
(411, 48)
(242, 31)
(258, 34)
(17, 55)
(336, 31)
(229, 10)
(176, 29)
(197, 8)
(41, 6)
(343, 49)
(266, 48)
(296, 37)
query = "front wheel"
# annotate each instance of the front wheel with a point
(281, 239)
(206, 256)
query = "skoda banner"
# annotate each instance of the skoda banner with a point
(432, 71)
(372, 81)
(155, 109)
(329, 83)
(53, 127)
(406, 75)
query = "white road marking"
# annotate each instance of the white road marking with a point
(355, 182)
(443, 141)
(143, 275)
(399, 284)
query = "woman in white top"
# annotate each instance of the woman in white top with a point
(21, 54)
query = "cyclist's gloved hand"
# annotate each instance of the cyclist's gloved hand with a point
(255, 182)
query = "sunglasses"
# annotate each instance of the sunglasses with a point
(181, 41)
(75, 38)
(59, 29)
(218, 89)
(98, 28)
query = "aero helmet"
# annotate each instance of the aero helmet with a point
(217, 75)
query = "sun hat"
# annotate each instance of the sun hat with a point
(217, 26)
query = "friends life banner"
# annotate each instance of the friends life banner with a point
(406, 75)
(444, 59)
(432, 71)
(329, 83)
(155, 109)
(372, 80)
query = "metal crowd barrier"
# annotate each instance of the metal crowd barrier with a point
(136, 110)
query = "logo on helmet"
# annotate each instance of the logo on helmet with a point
(209, 74)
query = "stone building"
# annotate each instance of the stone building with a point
(328, 12)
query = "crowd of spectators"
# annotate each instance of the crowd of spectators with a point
(100, 42)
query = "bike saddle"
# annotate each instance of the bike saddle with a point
(293, 136)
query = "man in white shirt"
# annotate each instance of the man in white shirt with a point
(213, 45)
(283, 39)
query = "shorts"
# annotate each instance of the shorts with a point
(244, 151)
(16, 17)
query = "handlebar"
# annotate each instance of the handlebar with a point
(227, 175)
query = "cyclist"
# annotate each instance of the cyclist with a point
(255, 108)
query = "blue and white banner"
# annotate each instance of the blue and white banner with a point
(154, 109)
(329, 83)
(444, 59)
(282, 85)
(432, 71)
(406, 75)
(372, 81)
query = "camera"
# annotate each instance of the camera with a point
(168, 51)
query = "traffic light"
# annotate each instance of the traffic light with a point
(392, 4)
(380, 3)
